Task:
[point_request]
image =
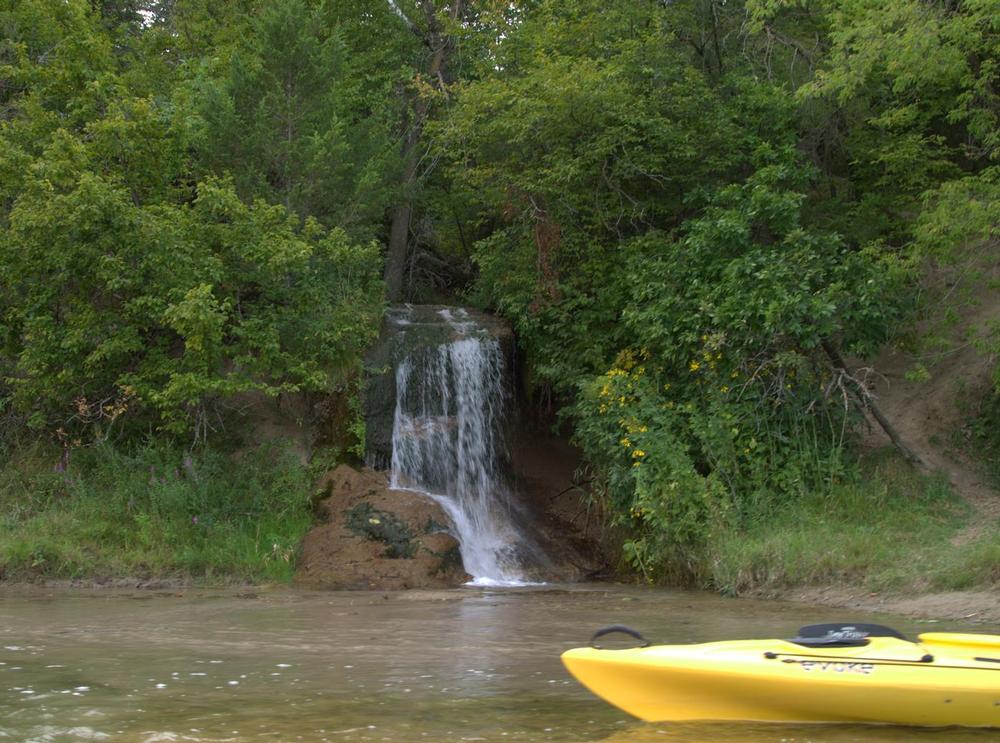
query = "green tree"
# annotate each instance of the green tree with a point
(913, 85)
(130, 290)
(587, 141)
(649, 239)
(289, 119)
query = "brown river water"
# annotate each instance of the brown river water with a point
(279, 665)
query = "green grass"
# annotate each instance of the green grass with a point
(153, 512)
(887, 530)
(972, 566)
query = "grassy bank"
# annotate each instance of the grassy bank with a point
(152, 511)
(209, 517)
(891, 529)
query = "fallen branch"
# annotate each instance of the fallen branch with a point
(868, 404)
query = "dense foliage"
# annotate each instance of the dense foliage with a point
(140, 282)
(691, 211)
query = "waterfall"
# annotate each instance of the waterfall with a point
(447, 438)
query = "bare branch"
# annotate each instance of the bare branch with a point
(406, 19)
(861, 391)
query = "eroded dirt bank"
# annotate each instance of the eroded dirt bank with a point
(374, 537)
(930, 391)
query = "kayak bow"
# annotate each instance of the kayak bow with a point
(830, 673)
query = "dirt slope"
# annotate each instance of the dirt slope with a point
(929, 414)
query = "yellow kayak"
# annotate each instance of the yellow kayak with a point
(829, 673)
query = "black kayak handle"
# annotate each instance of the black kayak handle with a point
(618, 628)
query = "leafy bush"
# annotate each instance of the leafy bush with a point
(160, 310)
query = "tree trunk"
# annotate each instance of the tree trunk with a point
(399, 233)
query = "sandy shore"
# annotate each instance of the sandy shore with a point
(972, 606)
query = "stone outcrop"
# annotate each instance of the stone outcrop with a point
(559, 534)
(405, 327)
(372, 537)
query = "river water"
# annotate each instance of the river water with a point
(280, 665)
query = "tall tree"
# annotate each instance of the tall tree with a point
(133, 287)
(435, 28)
(289, 119)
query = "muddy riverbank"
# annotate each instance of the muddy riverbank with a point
(963, 606)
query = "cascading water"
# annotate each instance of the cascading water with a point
(446, 438)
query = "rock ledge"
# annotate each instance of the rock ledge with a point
(373, 537)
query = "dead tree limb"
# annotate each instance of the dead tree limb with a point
(868, 404)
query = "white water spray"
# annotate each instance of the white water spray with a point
(446, 436)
